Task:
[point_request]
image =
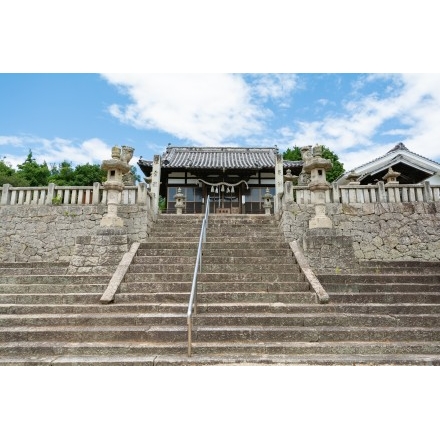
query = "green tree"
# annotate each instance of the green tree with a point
(333, 174)
(83, 175)
(34, 173)
(9, 175)
(86, 175)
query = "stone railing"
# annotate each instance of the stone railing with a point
(71, 195)
(380, 193)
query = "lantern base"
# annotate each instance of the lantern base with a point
(112, 222)
(320, 222)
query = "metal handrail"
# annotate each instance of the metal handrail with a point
(192, 306)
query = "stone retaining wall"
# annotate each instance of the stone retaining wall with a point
(379, 231)
(50, 233)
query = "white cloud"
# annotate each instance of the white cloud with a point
(411, 102)
(273, 86)
(205, 109)
(54, 151)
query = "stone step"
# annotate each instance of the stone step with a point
(136, 333)
(50, 298)
(162, 268)
(211, 245)
(222, 307)
(50, 288)
(166, 245)
(268, 253)
(315, 334)
(93, 319)
(53, 279)
(224, 238)
(214, 268)
(221, 277)
(206, 286)
(226, 360)
(355, 279)
(217, 297)
(34, 309)
(385, 297)
(316, 320)
(165, 260)
(192, 252)
(153, 333)
(220, 320)
(382, 287)
(246, 260)
(218, 349)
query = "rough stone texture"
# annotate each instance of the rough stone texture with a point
(377, 231)
(68, 233)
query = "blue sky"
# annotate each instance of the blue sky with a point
(79, 117)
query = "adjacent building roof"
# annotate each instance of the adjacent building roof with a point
(413, 167)
(219, 158)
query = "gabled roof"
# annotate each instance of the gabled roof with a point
(230, 158)
(413, 167)
(219, 158)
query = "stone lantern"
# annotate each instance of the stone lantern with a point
(116, 167)
(289, 177)
(391, 177)
(180, 201)
(352, 178)
(317, 166)
(267, 202)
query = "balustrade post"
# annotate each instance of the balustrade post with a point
(50, 194)
(427, 193)
(382, 193)
(6, 197)
(142, 193)
(335, 193)
(95, 196)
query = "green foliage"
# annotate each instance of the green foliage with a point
(30, 173)
(162, 203)
(333, 174)
(9, 175)
(57, 200)
(292, 154)
(34, 173)
(82, 175)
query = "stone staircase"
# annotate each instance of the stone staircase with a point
(393, 309)
(254, 306)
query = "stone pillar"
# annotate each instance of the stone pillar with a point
(116, 168)
(6, 197)
(180, 201)
(155, 183)
(279, 184)
(289, 180)
(317, 167)
(267, 204)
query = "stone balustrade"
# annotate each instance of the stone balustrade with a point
(380, 193)
(72, 195)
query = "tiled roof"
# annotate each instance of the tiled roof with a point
(230, 158)
(220, 157)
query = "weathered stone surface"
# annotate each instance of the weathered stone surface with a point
(53, 233)
(378, 231)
